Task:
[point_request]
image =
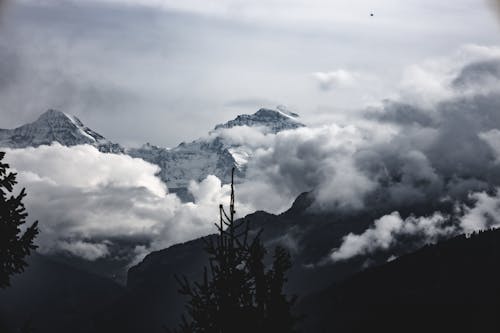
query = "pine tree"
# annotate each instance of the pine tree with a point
(238, 293)
(14, 245)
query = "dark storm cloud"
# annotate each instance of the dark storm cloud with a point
(3, 3)
(457, 160)
(401, 113)
(447, 152)
(478, 73)
(9, 67)
(496, 6)
(437, 151)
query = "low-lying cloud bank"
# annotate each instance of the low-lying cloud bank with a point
(86, 201)
(392, 230)
(435, 145)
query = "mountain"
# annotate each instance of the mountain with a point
(55, 297)
(55, 126)
(275, 120)
(448, 287)
(189, 161)
(310, 236)
(210, 155)
(453, 283)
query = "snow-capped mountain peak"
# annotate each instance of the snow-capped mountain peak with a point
(55, 126)
(210, 155)
(275, 120)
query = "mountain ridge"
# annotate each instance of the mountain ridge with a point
(195, 160)
(56, 126)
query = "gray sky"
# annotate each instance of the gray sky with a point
(167, 71)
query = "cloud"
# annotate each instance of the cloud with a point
(87, 202)
(312, 159)
(495, 6)
(449, 140)
(484, 214)
(87, 59)
(389, 230)
(336, 79)
(492, 138)
(411, 154)
(251, 103)
(88, 251)
(3, 3)
(445, 154)
(404, 154)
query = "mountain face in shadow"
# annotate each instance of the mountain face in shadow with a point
(310, 237)
(54, 297)
(449, 287)
(437, 284)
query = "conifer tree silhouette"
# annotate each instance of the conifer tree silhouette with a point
(238, 293)
(14, 245)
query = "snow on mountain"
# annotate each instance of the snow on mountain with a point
(56, 126)
(275, 120)
(212, 155)
(188, 161)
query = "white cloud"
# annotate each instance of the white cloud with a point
(430, 82)
(86, 200)
(484, 214)
(387, 231)
(84, 250)
(336, 79)
(311, 159)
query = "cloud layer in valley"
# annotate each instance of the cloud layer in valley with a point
(86, 200)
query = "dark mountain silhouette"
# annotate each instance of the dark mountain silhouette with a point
(451, 278)
(54, 297)
(309, 235)
(449, 287)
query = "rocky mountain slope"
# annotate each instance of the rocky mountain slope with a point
(55, 126)
(212, 155)
(309, 236)
(275, 120)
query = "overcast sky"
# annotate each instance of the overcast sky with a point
(167, 71)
